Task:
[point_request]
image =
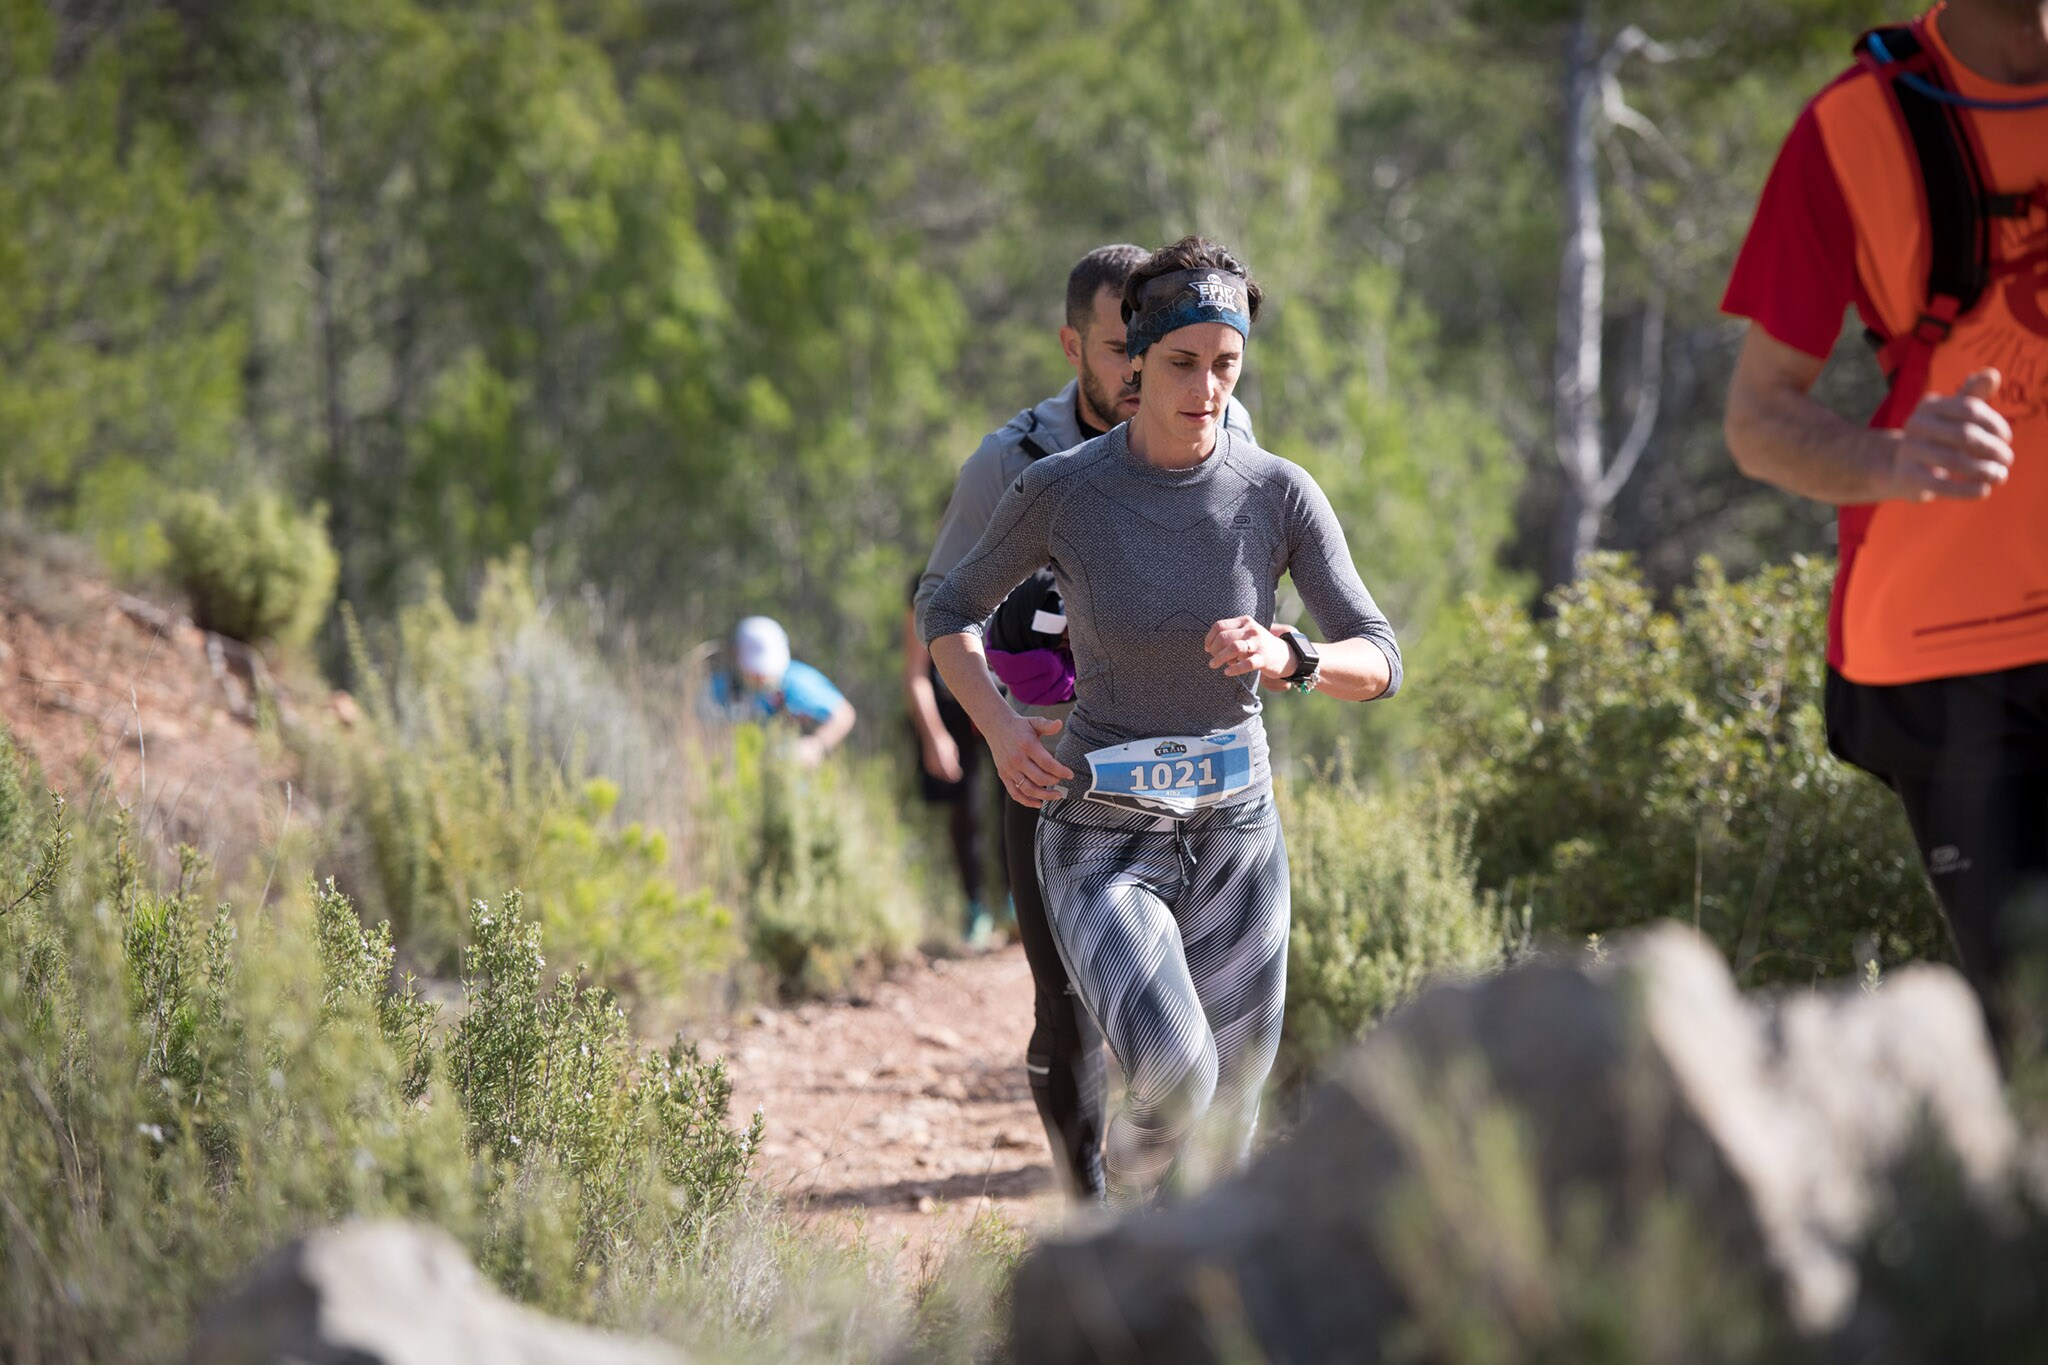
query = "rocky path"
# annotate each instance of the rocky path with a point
(905, 1112)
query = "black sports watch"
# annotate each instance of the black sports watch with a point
(1307, 660)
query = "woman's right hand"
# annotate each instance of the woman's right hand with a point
(1031, 775)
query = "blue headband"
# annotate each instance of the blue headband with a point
(1184, 298)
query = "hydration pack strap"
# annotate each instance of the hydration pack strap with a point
(1960, 214)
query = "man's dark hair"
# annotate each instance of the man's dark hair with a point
(1106, 267)
(1189, 253)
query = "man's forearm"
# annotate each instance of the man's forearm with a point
(917, 683)
(1952, 445)
(1792, 440)
(1780, 433)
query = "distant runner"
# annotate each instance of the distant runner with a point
(1159, 849)
(949, 772)
(764, 683)
(1915, 187)
(1063, 1058)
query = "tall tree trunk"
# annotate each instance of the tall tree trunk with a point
(337, 484)
(1581, 301)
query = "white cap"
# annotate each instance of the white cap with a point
(762, 648)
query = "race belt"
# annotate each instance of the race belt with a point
(1173, 775)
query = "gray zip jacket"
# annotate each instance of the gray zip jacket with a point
(1051, 427)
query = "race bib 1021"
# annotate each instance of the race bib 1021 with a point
(1173, 775)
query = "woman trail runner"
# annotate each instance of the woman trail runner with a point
(1158, 846)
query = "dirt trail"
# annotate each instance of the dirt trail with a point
(906, 1111)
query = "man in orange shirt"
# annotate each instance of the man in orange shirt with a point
(1915, 188)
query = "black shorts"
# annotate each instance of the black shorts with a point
(937, 790)
(1985, 725)
(1968, 758)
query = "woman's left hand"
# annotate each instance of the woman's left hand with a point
(1239, 645)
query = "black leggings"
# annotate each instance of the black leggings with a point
(1064, 1058)
(1984, 844)
(966, 801)
(1968, 758)
(1175, 933)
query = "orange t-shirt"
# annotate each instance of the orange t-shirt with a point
(1945, 588)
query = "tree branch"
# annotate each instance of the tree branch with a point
(1646, 396)
(1614, 105)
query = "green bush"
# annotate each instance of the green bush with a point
(1383, 900)
(821, 861)
(256, 571)
(1620, 763)
(500, 752)
(190, 1090)
(547, 1074)
(474, 771)
(1950, 1271)
(17, 817)
(180, 1101)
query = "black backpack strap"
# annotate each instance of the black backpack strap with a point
(1960, 214)
(1033, 451)
(2018, 204)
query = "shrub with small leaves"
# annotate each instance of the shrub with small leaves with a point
(179, 1102)
(185, 1091)
(17, 815)
(1618, 763)
(544, 1075)
(255, 571)
(470, 776)
(820, 857)
(355, 966)
(686, 1106)
(1383, 900)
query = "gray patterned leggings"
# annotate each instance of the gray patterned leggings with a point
(1175, 935)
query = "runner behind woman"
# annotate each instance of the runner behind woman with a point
(949, 772)
(1063, 1060)
(1159, 850)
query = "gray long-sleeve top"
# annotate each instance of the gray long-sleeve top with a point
(1046, 429)
(1147, 560)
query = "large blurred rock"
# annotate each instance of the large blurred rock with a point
(1774, 1119)
(393, 1294)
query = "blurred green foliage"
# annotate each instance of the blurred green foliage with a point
(656, 853)
(1498, 1268)
(1610, 763)
(704, 307)
(195, 1087)
(820, 857)
(1384, 901)
(478, 766)
(256, 571)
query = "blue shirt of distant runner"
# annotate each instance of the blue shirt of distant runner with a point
(805, 695)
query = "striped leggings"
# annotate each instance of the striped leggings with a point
(1175, 936)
